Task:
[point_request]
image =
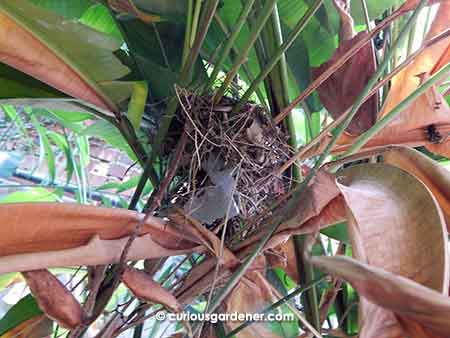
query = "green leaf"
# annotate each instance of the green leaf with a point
(46, 147)
(110, 134)
(70, 116)
(99, 18)
(127, 185)
(63, 144)
(74, 126)
(72, 9)
(337, 231)
(16, 84)
(25, 309)
(175, 8)
(37, 194)
(375, 9)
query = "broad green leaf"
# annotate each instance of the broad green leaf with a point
(158, 63)
(108, 186)
(330, 18)
(337, 232)
(375, 9)
(37, 194)
(67, 109)
(72, 9)
(64, 50)
(71, 116)
(98, 17)
(131, 183)
(16, 84)
(25, 309)
(60, 118)
(110, 134)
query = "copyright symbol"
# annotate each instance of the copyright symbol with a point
(160, 316)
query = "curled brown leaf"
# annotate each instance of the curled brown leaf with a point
(145, 288)
(54, 299)
(390, 206)
(430, 172)
(422, 312)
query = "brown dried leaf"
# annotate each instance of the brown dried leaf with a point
(252, 294)
(207, 238)
(388, 205)
(282, 241)
(429, 112)
(39, 235)
(145, 288)
(54, 299)
(96, 252)
(430, 172)
(36, 227)
(421, 312)
(340, 91)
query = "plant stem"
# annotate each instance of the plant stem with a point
(282, 73)
(280, 53)
(188, 29)
(256, 30)
(193, 32)
(306, 273)
(235, 51)
(230, 42)
(366, 14)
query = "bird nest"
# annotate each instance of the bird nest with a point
(230, 161)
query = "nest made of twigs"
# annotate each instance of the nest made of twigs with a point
(247, 146)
